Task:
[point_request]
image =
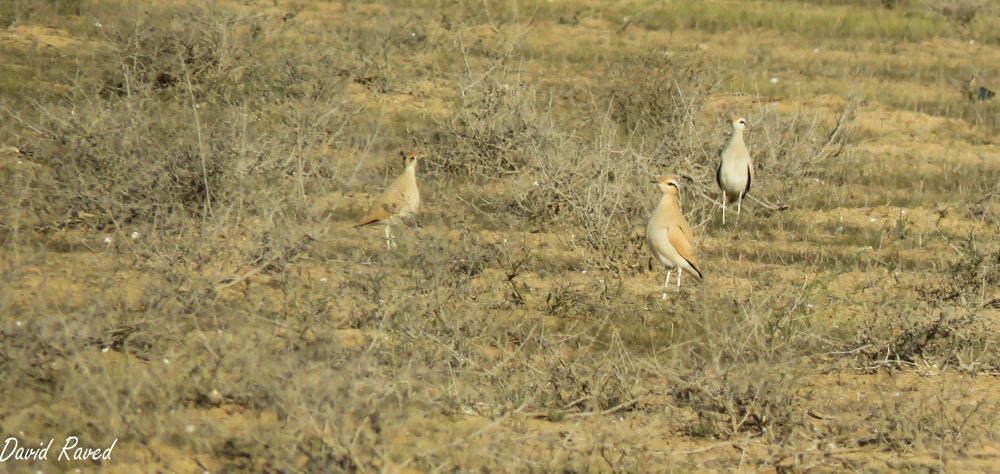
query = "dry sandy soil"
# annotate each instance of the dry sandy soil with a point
(180, 271)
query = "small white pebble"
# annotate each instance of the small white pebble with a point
(98, 24)
(835, 326)
(809, 305)
(107, 240)
(583, 271)
(189, 428)
(323, 279)
(839, 229)
(774, 80)
(535, 183)
(166, 361)
(601, 280)
(413, 35)
(17, 323)
(872, 219)
(134, 235)
(841, 217)
(19, 162)
(903, 211)
(815, 50)
(505, 241)
(105, 349)
(972, 41)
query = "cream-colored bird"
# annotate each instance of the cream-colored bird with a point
(400, 199)
(735, 172)
(668, 234)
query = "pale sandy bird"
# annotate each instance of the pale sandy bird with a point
(400, 199)
(735, 170)
(669, 235)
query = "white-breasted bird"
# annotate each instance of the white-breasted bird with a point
(400, 199)
(668, 234)
(735, 171)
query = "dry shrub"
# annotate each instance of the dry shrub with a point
(656, 99)
(754, 399)
(18, 11)
(197, 47)
(184, 123)
(592, 381)
(795, 146)
(130, 152)
(579, 176)
(959, 12)
(947, 337)
(945, 326)
(970, 277)
(115, 163)
(591, 187)
(497, 130)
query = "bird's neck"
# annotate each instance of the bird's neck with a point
(737, 138)
(669, 200)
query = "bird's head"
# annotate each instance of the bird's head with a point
(409, 158)
(739, 124)
(669, 184)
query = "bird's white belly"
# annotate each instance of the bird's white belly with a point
(665, 254)
(734, 178)
(410, 205)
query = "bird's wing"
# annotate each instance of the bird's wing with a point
(384, 207)
(749, 178)
(680, 237)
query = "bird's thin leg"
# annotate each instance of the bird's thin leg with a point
(723, 208)
(667, 282)
(739, 205)
(679, 271)
(388, 237)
